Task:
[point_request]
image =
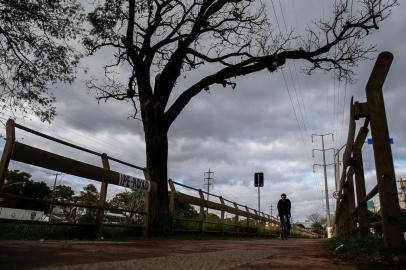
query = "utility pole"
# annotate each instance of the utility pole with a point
(324, 165)
(209, 180)
(52, 194)
(271, 209)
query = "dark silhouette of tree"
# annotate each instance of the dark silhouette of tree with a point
(315, 218)
(35, 51)
(63, 192)
(157, 41)
(20, 183)
(129, 200)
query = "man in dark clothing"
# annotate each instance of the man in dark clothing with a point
(284, 209)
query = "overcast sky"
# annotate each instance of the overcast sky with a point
(238, 132)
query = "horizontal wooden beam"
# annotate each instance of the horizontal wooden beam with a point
(44, 159)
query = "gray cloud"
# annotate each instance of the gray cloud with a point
(252, 128)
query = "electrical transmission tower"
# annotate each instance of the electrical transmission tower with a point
(324, 165)
(209, 181)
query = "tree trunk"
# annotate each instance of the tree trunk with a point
(156, 140)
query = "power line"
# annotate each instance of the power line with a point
(285, 81)
(293, 80)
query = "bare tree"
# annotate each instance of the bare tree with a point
(316, 218)
(160, 40)
(35, 52)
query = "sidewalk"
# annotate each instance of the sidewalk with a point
(169, 254)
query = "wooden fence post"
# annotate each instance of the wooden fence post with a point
(201, 222)
(388, 196)
(8, 149)
(172, 197)
(269, 222)
(362, 212)
(248, 219)
(103, 193)
(222, 215)
(345, 212)
(237, 222)
(146, 203)
(337, 219)
(256, 222)
(351, 201)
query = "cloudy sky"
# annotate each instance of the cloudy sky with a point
(238, 132)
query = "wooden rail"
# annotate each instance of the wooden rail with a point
(351, 217)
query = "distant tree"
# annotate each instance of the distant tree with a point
(35, 51)
(20, 183)
(317, 228)
(213, 217)
(318, 223)
(159, 41)
(132, 200)
(64, 193)
(185, 210)
(315, 217)
(89, 196)
(300, 225)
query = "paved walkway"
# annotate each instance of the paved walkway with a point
(169, 254)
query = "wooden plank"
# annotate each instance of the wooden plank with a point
(385, 172)
(362, 210)
(222, 215)
(237, 218)
(62, 203)
(172, 197)
(351, 200)
(201, 212)
(371, 194)
(216, 206)
(103, 194)
(350, 136)
(7, 151)
(348, 148)
(44, 159)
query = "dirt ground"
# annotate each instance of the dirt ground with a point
(169, 254)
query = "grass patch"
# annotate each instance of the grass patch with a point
(12, 231)
(61, 232)
(368, 252)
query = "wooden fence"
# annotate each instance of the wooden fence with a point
(261, 222)
(17, 151)
(254, 223)
(351, 211)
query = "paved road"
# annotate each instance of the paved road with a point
(169, 254)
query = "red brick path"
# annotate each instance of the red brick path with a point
(290, 254)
